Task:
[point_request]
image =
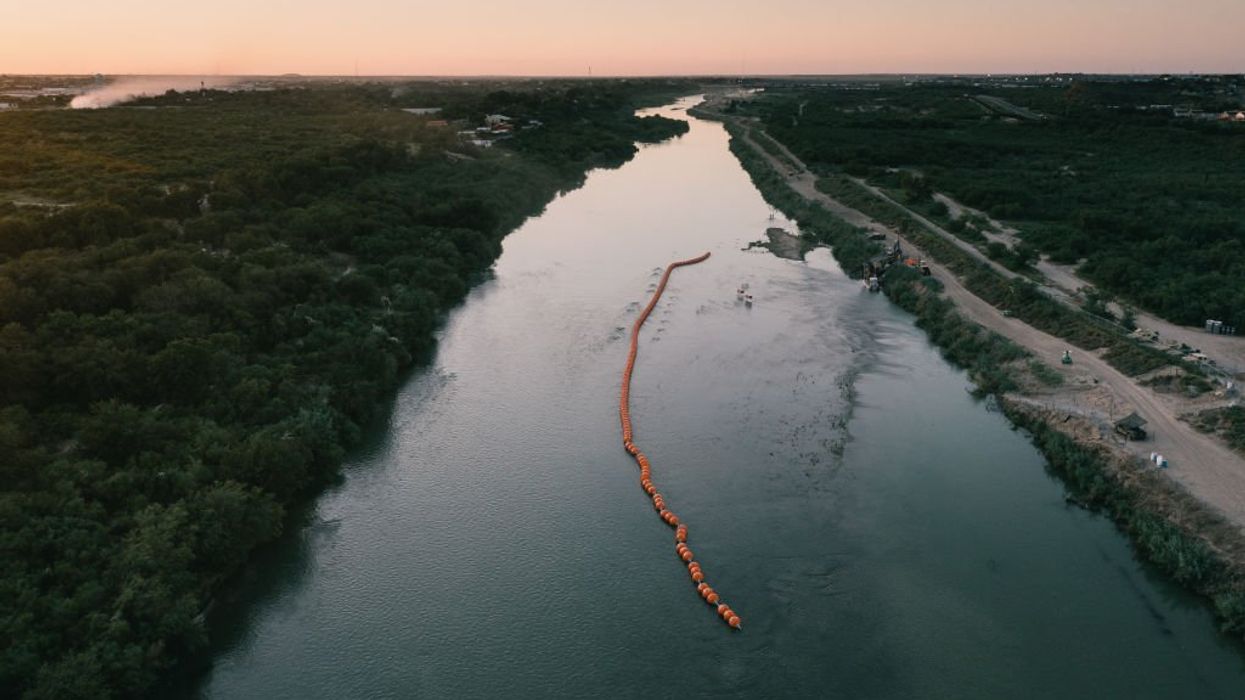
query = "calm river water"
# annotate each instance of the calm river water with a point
(882, 534)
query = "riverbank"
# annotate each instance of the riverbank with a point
(191, 348)
(816, 441)
(1189, 526)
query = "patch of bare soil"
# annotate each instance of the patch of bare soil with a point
(783, 243)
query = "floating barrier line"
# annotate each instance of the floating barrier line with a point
(646, 471)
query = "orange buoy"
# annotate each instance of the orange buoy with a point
(646, 480)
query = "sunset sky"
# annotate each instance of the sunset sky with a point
(637, 37)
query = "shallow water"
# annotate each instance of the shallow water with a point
(881, 533)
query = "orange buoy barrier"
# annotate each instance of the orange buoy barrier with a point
(646, 474)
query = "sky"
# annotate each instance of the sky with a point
(608, 37)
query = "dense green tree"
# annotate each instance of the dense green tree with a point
(223, 294)
(1148, 201)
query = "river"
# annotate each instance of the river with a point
(881, 533)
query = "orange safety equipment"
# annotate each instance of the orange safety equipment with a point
(646, 481)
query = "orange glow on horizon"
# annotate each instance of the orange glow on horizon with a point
(642, 37)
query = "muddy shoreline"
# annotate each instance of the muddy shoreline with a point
(783, 243)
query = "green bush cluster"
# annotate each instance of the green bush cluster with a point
(1228, 422)
(1150, 201)
(985, 354)
(1019, 296)
(1044, 374)
(189, 348)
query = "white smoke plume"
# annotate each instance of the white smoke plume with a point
(128, 88)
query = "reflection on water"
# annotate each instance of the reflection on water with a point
(882, 534)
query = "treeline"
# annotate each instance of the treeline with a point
(190, 349)
(1018, 296)
(1150, 201)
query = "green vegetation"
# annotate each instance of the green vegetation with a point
(1149, 200)
(236, 284)
(1019, 296)
(1143, 504)
(1160, 519)
(1227, 422)
(1017, 259)
(1044, 374)
(771, 147)
(985, 354)
(849, 245)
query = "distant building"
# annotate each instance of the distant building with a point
(1238, 117)
(7, 105)
(495, 120)
(422, 111)
(438, 123)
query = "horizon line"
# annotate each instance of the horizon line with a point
(627, 76)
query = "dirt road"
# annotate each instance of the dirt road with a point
(1205, 467)
(1063, 283)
